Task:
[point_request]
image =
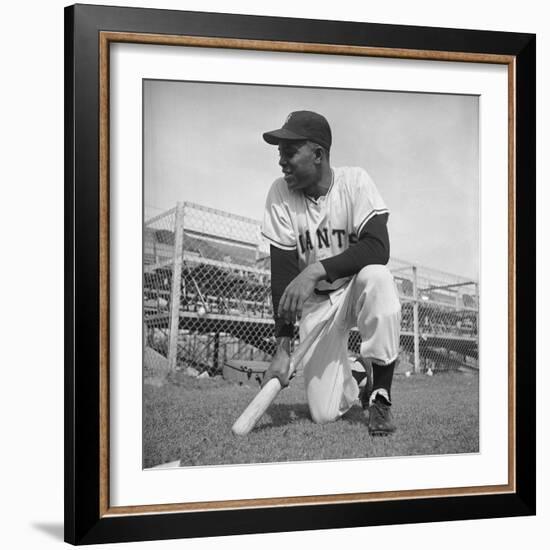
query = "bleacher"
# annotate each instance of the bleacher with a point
(225, 287)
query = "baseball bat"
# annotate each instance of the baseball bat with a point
(257, 407)
(269, 392)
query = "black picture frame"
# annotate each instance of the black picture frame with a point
(87, 518)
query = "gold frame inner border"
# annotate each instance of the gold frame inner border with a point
(105, 40)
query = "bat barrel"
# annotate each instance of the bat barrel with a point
(257, 407)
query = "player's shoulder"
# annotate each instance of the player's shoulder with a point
(352, 176)
(279, 188)
(279, 193)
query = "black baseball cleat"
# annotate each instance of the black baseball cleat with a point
(380, 417)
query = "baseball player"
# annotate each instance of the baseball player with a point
(329, 246)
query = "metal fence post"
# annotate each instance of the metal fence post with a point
(175, 292)
(416, 333)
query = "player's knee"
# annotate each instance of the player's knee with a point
(376, 283)
(375, 276)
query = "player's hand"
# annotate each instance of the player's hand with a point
(280, 366)
(298, 291)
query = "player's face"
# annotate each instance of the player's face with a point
(298, 161)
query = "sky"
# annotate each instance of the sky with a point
(203, 143)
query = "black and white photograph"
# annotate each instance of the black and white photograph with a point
(275, 275)
(299, 274)
(311, 261)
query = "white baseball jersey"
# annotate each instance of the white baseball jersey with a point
(324, 227)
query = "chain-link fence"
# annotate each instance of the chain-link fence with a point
(207, 299)
(439, 318)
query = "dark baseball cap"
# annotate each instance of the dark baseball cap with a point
(302, 125)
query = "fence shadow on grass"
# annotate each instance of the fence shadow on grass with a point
(355, 415)
(282, 414)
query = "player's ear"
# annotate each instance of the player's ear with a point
(319, 153)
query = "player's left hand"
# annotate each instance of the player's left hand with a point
(279, 367)
(298, 291)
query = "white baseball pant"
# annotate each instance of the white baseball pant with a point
(369, 301)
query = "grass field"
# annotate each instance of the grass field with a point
(190, 420)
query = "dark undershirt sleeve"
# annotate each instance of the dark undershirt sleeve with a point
(284, 267)
(373, 247)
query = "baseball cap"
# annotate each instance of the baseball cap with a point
(302, 125)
